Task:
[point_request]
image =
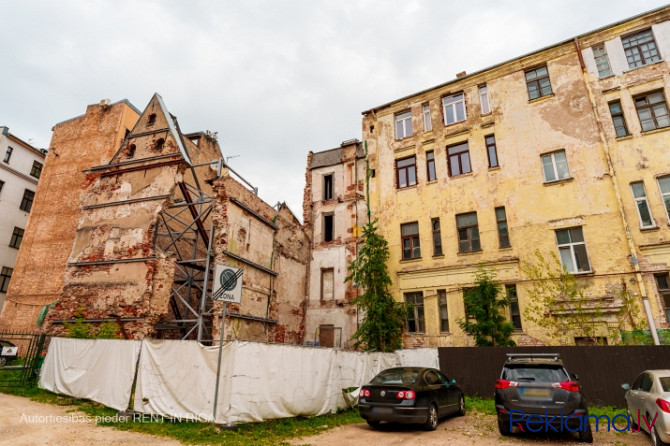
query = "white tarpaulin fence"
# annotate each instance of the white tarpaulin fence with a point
(101, 370)
(177, 378)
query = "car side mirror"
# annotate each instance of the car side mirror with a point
(625, 386)
(453, 382)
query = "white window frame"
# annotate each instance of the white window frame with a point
(569, 247)
(403, 125)
(558, 176)
(427, 123)
(640, 197)
(455, 102)
(602, 60)
(484, 99)
(664, 187)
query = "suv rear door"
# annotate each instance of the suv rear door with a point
(537, 387)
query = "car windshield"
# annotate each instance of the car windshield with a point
(665, 383)
(541, 373)
(397, 376)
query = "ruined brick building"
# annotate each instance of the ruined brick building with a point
(123, 223)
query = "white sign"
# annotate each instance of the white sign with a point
(227, 285)
(9, 351)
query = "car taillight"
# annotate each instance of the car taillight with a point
(503, 384)
(663, 405)
(406, 395)
(365, 393)
(570, 386)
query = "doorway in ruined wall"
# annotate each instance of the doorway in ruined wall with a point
(183, 232)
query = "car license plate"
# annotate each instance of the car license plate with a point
(538, 393)
(382, 410)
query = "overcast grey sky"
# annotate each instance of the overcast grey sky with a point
(274, 78)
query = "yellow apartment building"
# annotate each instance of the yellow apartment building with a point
(564, 151)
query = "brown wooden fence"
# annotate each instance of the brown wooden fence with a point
(601, 369)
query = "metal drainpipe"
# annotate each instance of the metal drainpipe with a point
(617, 193)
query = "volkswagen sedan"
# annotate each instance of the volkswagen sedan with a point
(413, 395)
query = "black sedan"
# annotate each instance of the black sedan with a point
(8, 352)
(415, 395)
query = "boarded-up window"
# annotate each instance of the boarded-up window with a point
(327, 281)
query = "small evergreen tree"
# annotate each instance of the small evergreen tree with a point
(490, 327)
(384, 318)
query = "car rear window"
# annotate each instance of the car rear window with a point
(542, 373)
(665, 383)
(397, 376)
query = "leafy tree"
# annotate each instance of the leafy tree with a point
(560, 304)
(384, 318)
(490, 327)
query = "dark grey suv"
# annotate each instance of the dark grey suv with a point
(535, 393)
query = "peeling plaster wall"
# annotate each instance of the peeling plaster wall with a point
(76, 144)
(524, 131)
(284, 250)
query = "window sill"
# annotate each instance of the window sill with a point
(494, 168)
(505, 248)
(416, 333)
(445, 333)
(455, 123)
(465, 253)
(564, 180)
(542, 98)
(438, 256)
(466, 174)
(649, 228)
(404, 138)
(609, 76)
(624, 137)
(658, 130)
(432, 182)
(643, 66)
(413, 186)
(583, 273)
(415, 259)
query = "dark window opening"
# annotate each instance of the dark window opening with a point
(468, 232)
(515, 313)
(491, 150)
(618, 119)
(17, 238)
(458, 158)
(411, 248)
(663, 285)
(152, 119)
(8, 154)
(415, 316)
(328, 229)
(5, 276)
(27, 201)
(444, 310)
(503, 234)
(131, 150)
(405, 172)
(430, 166)
(327, 187)
(437, 237)
(36, 170)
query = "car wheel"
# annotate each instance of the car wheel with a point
(373, 423)
(461, 406)
(655, 439)
(3, 361)
(586, 436)
(504, 428)
(431, 422)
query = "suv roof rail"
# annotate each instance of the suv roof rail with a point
(513, 356)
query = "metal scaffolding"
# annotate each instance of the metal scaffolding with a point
(185, 231)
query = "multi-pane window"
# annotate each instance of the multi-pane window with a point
(328, 228)
(327, 282)
(411, 248)
(36, 171)
(5, 276)
(27, 201)
(538, 84)
(405, 172)
(468, 232)
(8, 154)
(443, 310)
(484, 99)
(458, 158)
(555, 166)
(572, 250)
(17, 238)
(437, 237)
(652, 111)
(618, 119)
(602, 61)
(640, 49)
(643, 210)
(663, 285)
(403, 125)
(501, 221)
(430, 166)
(328, 187)
(664, 184)
(416, 322)
(2, 183)
(427, 123)
(454, 108)
(514, 312)
(491, 150)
